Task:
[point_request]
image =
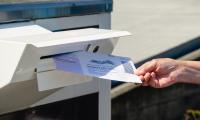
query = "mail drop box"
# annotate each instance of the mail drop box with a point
(31, 33)
(27, 61)
(29, 57)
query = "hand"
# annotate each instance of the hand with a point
(160, 73)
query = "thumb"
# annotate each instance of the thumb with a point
(147, 67)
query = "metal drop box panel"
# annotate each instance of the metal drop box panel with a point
(23, 53)
(24, 95)
(17, 10)
(23, 56)
(21, 94)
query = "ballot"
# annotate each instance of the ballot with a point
(105, 66)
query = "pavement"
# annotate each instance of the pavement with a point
(156, 25)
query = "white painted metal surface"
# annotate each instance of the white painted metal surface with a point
(11, 51)
(23, 93)
(24, 54)
(104, 22)
(21, 49)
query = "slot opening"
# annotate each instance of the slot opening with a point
(93, 26)
(50, 56)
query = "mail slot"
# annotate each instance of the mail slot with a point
(31, 34)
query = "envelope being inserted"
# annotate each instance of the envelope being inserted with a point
(103, 66)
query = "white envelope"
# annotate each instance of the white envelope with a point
(98, 65)
(79, 67)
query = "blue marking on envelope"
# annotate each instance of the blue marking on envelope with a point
(103, 62)
(71, 63)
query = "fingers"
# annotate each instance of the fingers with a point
(150, 79)
(153, 75)
(146, 68)
(145, 79)
(147, 73)
(154, 82)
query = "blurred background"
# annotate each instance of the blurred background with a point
(160, 28)
(156, 25)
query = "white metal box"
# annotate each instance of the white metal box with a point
(27, 58)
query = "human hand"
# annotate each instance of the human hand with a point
(160, 73)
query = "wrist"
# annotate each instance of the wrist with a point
(188, 75)
(182, 71)
(182, 63)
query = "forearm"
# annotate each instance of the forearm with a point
(190, 73)
(191, 64)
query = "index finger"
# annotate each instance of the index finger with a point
(147, 67)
